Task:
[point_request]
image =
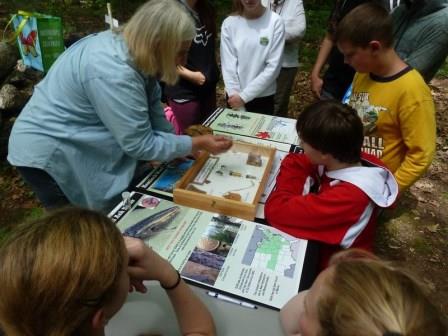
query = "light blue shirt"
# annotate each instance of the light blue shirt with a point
(91, 119)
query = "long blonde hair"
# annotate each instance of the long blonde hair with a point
(369, 297)
(57, 272)
(154, 36)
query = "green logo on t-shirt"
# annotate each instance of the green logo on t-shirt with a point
(264, 40)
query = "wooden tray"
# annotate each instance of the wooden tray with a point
(204, 185)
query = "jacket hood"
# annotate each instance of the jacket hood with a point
(376, 181)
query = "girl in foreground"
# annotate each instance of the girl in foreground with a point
(70, 272)
(358, 294)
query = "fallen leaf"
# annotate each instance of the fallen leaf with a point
(431, 286)
(433, 228)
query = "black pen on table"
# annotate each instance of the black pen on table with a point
(231, 300)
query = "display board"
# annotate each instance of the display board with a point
(255, 125)
(226, 254)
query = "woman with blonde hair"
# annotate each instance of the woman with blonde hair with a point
(70, 272)
(362, 295)
(97, 113)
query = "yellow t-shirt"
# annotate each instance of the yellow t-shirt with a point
(399, 122)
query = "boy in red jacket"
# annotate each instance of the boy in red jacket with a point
(330, 193)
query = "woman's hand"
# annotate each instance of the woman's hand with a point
(214, 144)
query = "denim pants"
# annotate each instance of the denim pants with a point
(44, 186)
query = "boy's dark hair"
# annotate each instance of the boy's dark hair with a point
(365, 23)
(332, 128)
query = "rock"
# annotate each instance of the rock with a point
(18, 79)
(11, 98)
(9, 55)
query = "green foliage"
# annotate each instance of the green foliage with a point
(20, 216)
(34, 213)
(443, 71)
(315, 30)
(3, 234)
(223, 9)
(224, 236)
(318, 4)
(422, 246)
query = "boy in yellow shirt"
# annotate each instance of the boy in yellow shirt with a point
(391, 97)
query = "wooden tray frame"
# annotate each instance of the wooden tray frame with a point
(218, 204)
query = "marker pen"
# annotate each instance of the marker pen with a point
(231, 300)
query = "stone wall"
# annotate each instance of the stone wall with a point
(16, 87)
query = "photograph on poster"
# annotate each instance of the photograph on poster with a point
(172, 173)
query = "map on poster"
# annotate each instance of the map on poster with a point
(271, 250)
(261, 126)
(227, 254)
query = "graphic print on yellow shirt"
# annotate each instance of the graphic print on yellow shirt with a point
(369, 113)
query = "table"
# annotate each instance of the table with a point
(152, 312)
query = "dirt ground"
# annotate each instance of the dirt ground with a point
(414, 234)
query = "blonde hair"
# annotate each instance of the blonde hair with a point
(154, 36)
(369, 297)
(57, 272)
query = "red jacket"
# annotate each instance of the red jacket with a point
(337, 208)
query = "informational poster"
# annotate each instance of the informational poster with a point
(255, 125)
(161, 179)
(237, 257)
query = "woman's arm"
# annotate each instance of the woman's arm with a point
(145, 264)
(129, 107)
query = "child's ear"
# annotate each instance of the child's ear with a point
(99, 320)
(325, 157)
(375, 46)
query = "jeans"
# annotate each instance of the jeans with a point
(44, 186)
